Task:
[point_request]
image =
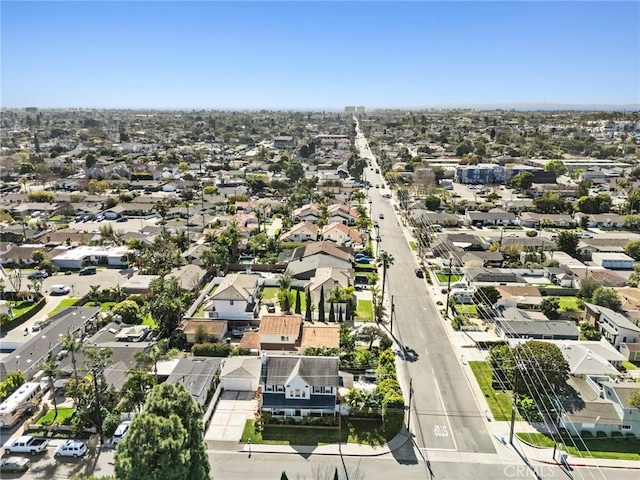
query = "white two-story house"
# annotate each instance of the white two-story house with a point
(296, 386)
(615, 327)
(236, 298)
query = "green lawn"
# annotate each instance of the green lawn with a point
(630, 365)
(568, 303)
(270, 294)
(200, 312)
(22, 307)
(104, 306)
(67, 302)
(413, 245)
(364, 310)
(63, 418)
(365, 432)
(468, 309)
(499, 402)
(149, 321)
(616, 448)
(444, 278)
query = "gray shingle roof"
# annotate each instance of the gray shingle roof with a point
(320, 371)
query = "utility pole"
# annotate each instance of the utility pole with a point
(393, 311)
(448, 287)
(97, 400)
(501, 234)
(410, 399)
(513, 407)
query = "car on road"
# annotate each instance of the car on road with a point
(14, 465)
(37, 326)
(87, 271)
(381, 216)
(71, 448)
(122, 219)
(120, 432)
(58, 290)
(39, 274)
(419, 273)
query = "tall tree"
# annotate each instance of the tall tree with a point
(321, 305)
(385, 260)
(298, 308)
(159, 352)
(307, 315)
(50, 372)
(166, 440)
(71, 344)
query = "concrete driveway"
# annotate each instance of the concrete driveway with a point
(230, 416)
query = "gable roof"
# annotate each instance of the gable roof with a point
(325, 247)
(320, 335)
(617, 318)
(285, 325)
(241, 367)
(238, 286)
(280, 370)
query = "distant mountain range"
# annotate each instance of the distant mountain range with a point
(538, 106)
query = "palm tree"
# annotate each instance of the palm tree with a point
(94, 293)
(232, 234)
(50, 371)
(158, 353)
(385, 260)
(136, 387)
(71, 344)
(162, 208)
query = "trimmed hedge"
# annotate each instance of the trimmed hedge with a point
(19, 320)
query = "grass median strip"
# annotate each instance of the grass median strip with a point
(498, 401)
(618, 448)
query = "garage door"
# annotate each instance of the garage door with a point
(237, 384)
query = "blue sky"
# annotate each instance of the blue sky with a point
(319, 55)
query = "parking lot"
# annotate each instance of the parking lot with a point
(78, 286)
(46, 466)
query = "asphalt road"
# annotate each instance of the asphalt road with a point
(231, 465)
(444, 413)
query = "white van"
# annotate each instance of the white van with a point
(58, 290)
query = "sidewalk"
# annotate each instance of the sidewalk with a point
(345, 449)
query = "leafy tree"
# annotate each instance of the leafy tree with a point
(588, 285)
(606, 297)
(589, 332)
(522, 180)
(129, 311)
(432, 202)
(135, 389)
(632, 222)
(567, 242)
(557, 167)
(370, 334)
(633, 249)
(97, 187)
(551, 202)
(464, 147)
(601, 203)
(11, 384)
(540, 366)
(166, 440)
(487, 296)
(166, 304)
(215, 258)
(550, 306)
(634, 398)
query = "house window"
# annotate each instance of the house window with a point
(268, 388)
(296, 393)
(230, 302)
(625, 427)
(283, 338)
(280, 388)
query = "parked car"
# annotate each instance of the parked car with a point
(58, 290)
(26, 444)
(419, 273)
(39, 274)
(120, 432)
(271, 308)
(37, 326)
(14, 464)
(381, 216)
(71, 448)
(122, 219)
(87, 271)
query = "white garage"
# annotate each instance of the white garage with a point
(241, 374)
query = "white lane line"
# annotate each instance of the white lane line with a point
(453, 437)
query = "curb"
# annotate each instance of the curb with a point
(292, 450)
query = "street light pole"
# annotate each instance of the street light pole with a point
(410, 399)
(513, 407)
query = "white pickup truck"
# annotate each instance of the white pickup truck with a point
(26, 444)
